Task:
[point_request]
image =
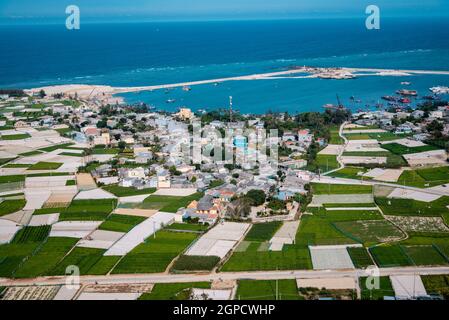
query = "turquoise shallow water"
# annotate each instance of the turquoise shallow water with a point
(138, 54)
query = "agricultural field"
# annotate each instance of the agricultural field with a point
(12, 178)
(83, 258)
(335, 135)
(11, 206)
(195, 263)
(266, 290)
(346, 215)
(45, 166)
(360, 257)
(173, 291)
(104, 265)
(188, 227)
(46, 258)
(16, 165)
(437, 285)
(387, 256)
(105, 151)
(53, 148)
(155, 254)
(422, 178)
(424, 255)
(408, 207)
(31, 234)
(88, 210)
(263, 231)
(420, 224)
(370, 232)
(400, 149)
(119, 191)
(385, 289)
(350, 173)
(121, 223)
(313, 230)
(169, 203)
(321, 188)
(14, 137)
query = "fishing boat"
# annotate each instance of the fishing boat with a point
(405, 92)
(186, 88)
(171, 101)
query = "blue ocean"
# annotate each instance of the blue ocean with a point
(153, 53)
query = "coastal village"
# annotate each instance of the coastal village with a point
(90, 182)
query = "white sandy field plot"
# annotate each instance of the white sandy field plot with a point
(331, 150)
(407, 143)
(43, 220)
(331, 257)
(107, 296)
(285, 235)
(7, 230)
(407, 287)
(139, 233)
(136, 212)
(133, 199)
(435, 157)
(399, 193)
(364, 146)
(319, 200)
(210, 294)
(219, 240)
(65, 293)
(100, 239)
(85, 181)
(74, 229)
(355, 160)
(175, 192)
(342, 283)
(387, 175)
(94, 194)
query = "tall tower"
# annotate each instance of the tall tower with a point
(230, 108)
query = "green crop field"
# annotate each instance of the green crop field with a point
(155, 255)
(263, 231)
(104, 265)
(173, 291)
(188, 227)
(195, 263)
(31, 153)
(31, 234)
(369, 232)
(408, 207)
(267, 290)
(15, 137)
(349, 205)
(335, 136)
(424, 255)
(56, 147)
(360, 257)
(83, 258)
(121, 223)
(385, 289)
(321, 188)
(126, 192)
(399, 149)
(16, 165)
(390, 256)
(46, 258)
(48, 211)
(12, 178)
(105, 151)
(169, 203)
(346, 215)
(313, 230)
(45, 166)
(88, 210)
(437, 285)
(11, 206)
(422, 178)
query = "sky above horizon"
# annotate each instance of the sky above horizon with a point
(24, 10)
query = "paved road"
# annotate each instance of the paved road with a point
(259, 275)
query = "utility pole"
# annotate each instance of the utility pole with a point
(230, 108)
